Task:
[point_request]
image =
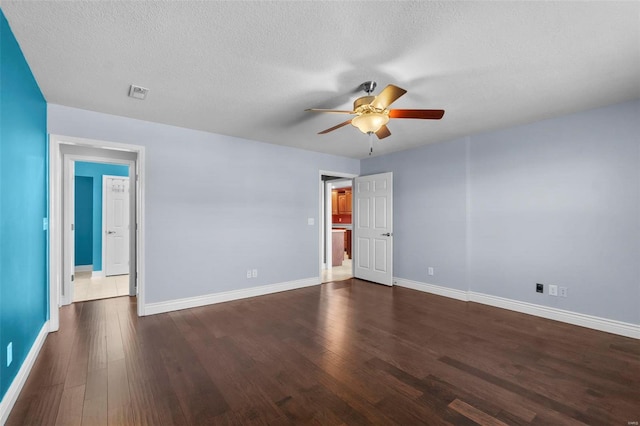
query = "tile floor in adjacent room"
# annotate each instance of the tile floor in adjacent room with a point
(338, 273)
(87, 288)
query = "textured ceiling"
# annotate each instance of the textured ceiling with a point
(249, 69)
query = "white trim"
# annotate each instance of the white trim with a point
(69, 233)
(10, 398)
(55, 216)
(575, 318)
(98, 274)
(226, 296)
(433, 289)
(84, 268)
(589, 321)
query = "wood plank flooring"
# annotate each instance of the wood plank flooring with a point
(346, 352)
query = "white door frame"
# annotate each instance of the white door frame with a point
(68, 238)
(103, 225)
(56, 234)
(323, 212)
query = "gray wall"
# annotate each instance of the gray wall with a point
(555, 202)
(217, 205)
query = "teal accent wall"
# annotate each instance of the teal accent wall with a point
(96, 171)
(23, 206)
(83, 220)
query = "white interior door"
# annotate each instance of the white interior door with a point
(373, 228)
(67, 288)
(116, 225)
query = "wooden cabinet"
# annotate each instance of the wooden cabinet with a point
(337, 247)
(347, 242)
(334, 202)
(341, 201)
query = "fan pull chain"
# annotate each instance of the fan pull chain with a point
(370, 143)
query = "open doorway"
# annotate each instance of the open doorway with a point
(101, 227)
(336, 241)
(64, 154)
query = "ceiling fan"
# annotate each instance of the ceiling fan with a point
(372, 113)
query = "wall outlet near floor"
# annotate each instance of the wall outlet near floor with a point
(254, 273)
(539, 288)
(248, 273)
(430, 270)
(9, 353)
(553, 290)
(564, 291)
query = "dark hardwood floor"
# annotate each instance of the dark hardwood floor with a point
(348, 352)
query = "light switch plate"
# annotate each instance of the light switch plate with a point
(9, 353)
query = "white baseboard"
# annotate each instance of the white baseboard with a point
(84, 268)
(97, 274)
(575, 318)
(11, 396)
(434, 289)
(226, 296)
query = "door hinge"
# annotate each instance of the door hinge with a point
(72, 277)
(72, 227)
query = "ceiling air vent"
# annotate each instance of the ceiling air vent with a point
(138, 92)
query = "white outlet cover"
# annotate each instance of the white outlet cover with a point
(553, 290)
(430, 271)
(9, 353)
(254, 273)
(248, 273)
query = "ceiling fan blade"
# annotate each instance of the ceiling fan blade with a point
(428, 114)
(335, 111)
(331, 129)
(388, 96)
(383, 132)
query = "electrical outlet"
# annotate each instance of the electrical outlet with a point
(539, 288)
(564, 291)
(248, 273)
(254, 273)
(9, 353)
(430, 270)
(553, 290)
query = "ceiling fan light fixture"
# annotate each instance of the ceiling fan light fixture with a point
(370, 122)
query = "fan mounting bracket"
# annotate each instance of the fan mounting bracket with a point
(369, 86)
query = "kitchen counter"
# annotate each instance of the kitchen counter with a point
(337, 247)
(342, 225)
(346, 231)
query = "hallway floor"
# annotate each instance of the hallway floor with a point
(339, 273)
(87, 288)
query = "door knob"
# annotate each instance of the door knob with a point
(111, 232)
(388, 234)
